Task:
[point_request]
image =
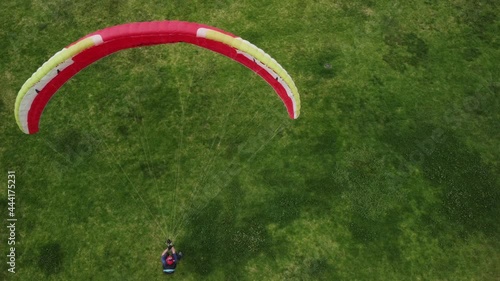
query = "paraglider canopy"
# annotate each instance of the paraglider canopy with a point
(44, 83)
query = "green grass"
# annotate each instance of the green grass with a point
(390, 173)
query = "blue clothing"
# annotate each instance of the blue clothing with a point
(169, 269)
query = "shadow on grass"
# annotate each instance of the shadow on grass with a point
(218, 238)
(225, 236)
(2, 106)
(469, 194)
(481, 19)
(327, 64)
(72, 145)
(404, 49)
(50, 258)
(381, 232)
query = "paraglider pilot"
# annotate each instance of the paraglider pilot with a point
(169, 258)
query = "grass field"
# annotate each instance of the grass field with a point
(390, 173)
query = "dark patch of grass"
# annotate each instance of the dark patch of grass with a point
(320, 269)
(234, 144)
(2, 106)
(324, 187)
(405, 49)
(214, 237)
(481, 21)
(282, 208)
(327, 65)
(122, 130)
(50, 258)
(469, 190)
(380, 234)
(471, 53)
(217, 242)
(470, 195)
(74, 144)
(484, 103)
